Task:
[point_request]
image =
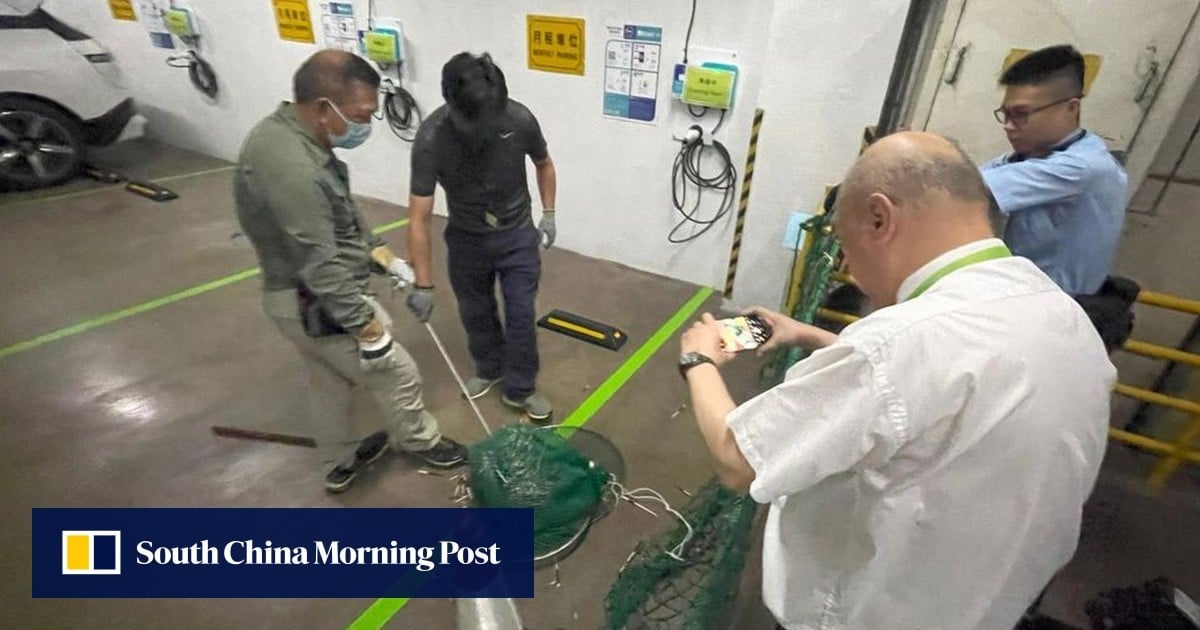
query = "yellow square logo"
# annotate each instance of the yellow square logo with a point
(91, 552)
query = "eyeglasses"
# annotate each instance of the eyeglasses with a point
(1004, 116)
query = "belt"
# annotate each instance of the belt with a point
(490, 222)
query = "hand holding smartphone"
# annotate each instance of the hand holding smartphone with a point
(744, 332)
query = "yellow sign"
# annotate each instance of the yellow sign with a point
(1091, 65)
(294, 21)
(178, 22)
(708, 87)
(122, 10)
(556, 44)
(381, 47)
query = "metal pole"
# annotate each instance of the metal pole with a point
(910, 56)
(462, 387)
(487, 614)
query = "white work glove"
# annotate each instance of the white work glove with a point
(546, 227)
(400, 273)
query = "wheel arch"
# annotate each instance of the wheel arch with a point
(43, 100)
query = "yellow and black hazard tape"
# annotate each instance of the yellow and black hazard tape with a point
(747, 176)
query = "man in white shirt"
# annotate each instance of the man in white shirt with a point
(927, 467)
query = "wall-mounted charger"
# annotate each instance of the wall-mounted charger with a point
(710, 84)
(384, 46)
(677, 79)
(180, 23)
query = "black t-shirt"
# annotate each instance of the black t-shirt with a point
(486, 187)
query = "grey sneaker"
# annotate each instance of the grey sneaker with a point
(478, 386)
(534, 405)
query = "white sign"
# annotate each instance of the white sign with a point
(149, 13)
(338, 26)
(632, 58)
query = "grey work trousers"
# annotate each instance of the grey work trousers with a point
(334, 370)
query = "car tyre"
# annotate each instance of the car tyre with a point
(40, 144)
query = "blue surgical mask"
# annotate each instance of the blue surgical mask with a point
(356, 132)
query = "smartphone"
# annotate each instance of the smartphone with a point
(744, 332)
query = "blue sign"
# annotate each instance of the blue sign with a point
(643, 33)
(162, 40)
(282, 552)
(794, 234)
(631, 72)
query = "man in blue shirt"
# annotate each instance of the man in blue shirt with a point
(1061, 191)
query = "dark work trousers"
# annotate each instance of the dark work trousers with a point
(1111, 310)
(477, 261)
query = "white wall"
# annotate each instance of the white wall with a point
(829, 66)
(818, 67)
(239, 39)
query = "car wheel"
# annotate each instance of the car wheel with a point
(40, 145)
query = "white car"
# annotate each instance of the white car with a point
(59, 94)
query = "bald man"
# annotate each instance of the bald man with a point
(317, 253)
(925, 468)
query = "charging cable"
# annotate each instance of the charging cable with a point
(199, 71)
(686, 173)
(400, 110)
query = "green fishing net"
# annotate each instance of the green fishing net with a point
(665, 586)
(527, 466)
(815, 283)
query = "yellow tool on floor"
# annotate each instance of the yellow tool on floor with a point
(583, 329)
(153, 192)
(102, 175)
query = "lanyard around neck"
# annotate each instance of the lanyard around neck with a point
(1062, 146)
(991, 253)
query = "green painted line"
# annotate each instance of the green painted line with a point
(380, 612)
(115, 316)
(171, 178)
(114, 187)
(70, 195)
(617, 380)
(109, 318)
(388, 227)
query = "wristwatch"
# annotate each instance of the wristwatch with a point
(689, 360)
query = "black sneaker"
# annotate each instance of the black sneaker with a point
(445, 454)
(370, 449)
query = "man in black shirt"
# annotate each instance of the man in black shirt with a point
(475, 147)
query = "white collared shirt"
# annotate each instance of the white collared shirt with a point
(928, 470)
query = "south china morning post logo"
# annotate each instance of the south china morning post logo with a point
(91, 552)
(320, 552)
(282, 552)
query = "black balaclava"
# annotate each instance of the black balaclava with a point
(476, 93)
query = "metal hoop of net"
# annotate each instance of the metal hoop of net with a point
(563, 473)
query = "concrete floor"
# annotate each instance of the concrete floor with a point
(120, 414)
